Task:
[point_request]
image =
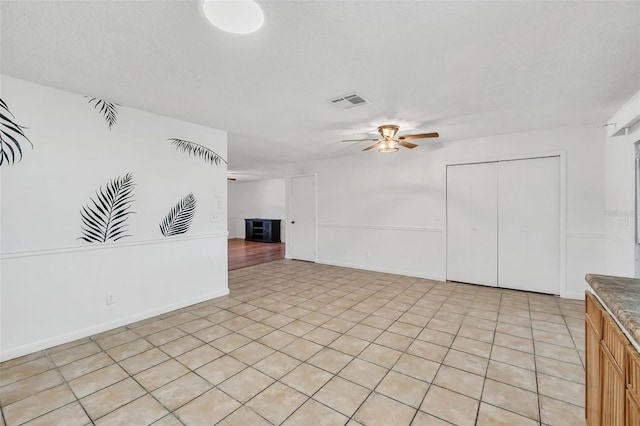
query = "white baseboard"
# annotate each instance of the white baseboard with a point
(378, 269)
(99, 328)
(570, 295)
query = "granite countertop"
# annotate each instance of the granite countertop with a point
(621, 296)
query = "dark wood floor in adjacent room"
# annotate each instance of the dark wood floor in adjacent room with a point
(248, 253)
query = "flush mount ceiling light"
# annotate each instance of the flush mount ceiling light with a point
(234, 16)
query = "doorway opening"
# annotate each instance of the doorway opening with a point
(244, 253)
(256, 209)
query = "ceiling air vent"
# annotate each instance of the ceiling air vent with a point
(352, 100)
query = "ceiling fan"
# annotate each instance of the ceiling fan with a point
(389, 141)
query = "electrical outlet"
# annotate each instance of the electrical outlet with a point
(110, 299)
(366, 253)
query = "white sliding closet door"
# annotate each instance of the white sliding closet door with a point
(529, 224)
(472, 233)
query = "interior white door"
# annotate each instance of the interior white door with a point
(529, 224)
(303, 218)
(472, 234)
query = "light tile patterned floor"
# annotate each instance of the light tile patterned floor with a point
(297, 343)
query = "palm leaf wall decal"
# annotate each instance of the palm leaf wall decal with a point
(105, 218)
(197, 150)
(11, 136)
(179, 219)
(108, 109)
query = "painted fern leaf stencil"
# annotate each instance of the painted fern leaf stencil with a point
(108, 109)
(12, 136)
(105, 217)
(197, 150)
(179, 219)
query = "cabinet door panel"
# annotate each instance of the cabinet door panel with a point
(266, 231)
(471, 223)
(633, 371)
(594, 311)
(615, 341)
(592, 367)
(613, 390)
(633, 410)
(529, 224)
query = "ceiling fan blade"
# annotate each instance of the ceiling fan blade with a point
(360, 140)
(420, 136)
(407, 144)
(371, 147)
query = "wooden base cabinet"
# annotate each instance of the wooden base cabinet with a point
(633, 386)
(612, 371)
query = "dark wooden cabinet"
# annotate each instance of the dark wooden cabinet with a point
(262, 230)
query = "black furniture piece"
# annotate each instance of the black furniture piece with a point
(262, 230)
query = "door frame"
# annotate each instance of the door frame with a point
(563, 204)
(288, 235)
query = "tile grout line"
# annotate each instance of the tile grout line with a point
(66, 383)
(171, 357)
(345, 366)
(344, 333)
(486, 372)
(120, 381)
(352, 417)
(276, 351)
(353, 357)
(440, 366)
(283, 290)
(129, 375)
(302, 362)
(480, 401)
(535, 366)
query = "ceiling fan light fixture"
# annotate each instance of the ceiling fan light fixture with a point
(389, 141)
(388, 131)
(394, 149)
(234, 16)
(388, 146)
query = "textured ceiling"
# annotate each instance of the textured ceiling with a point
(465, 69)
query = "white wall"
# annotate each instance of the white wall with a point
(255, 199)
(386, 212)
(53, 286)
(620, 197)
